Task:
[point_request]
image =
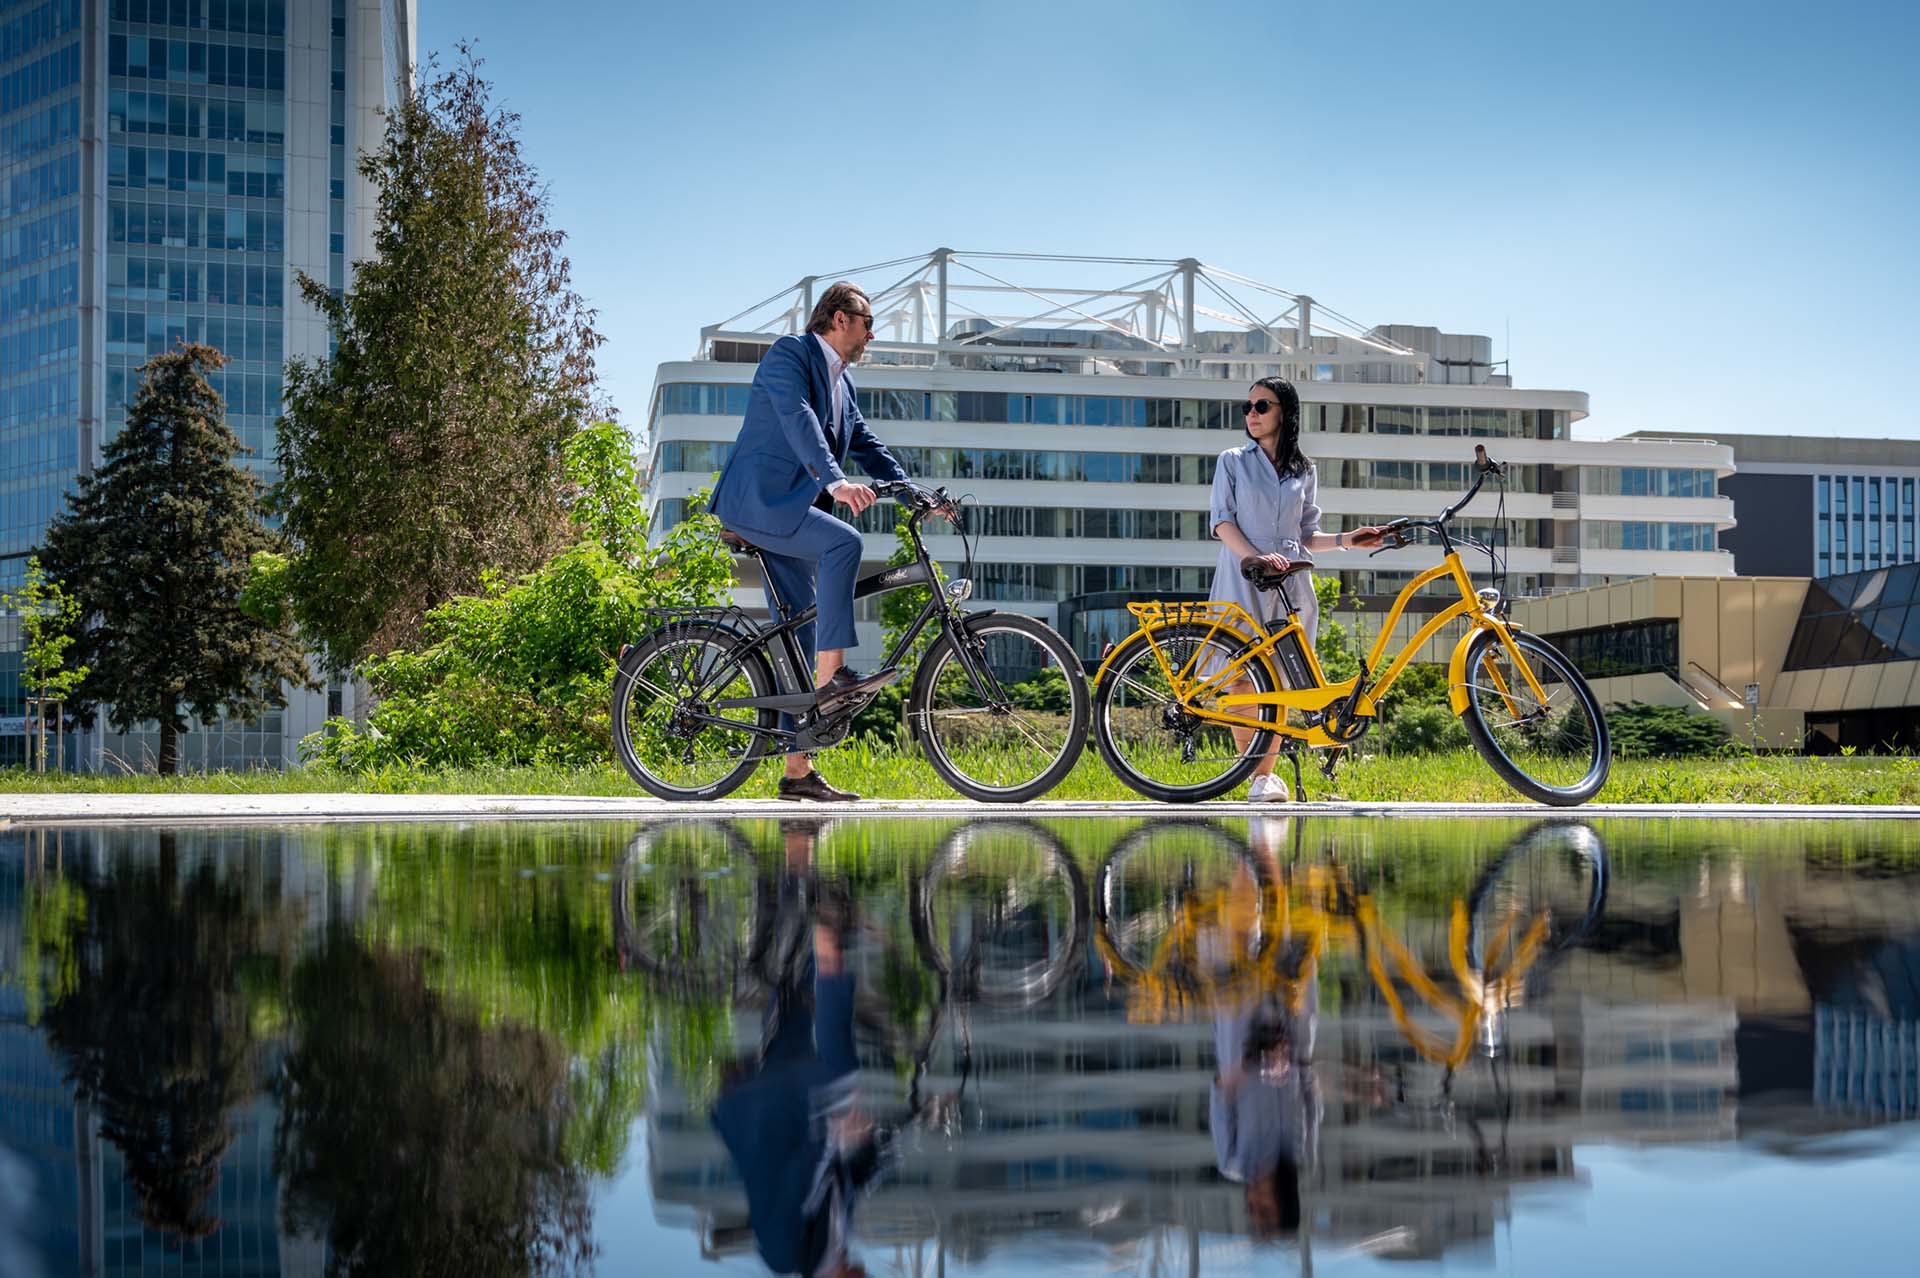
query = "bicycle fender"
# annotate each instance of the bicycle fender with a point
(967, 622)
(1457, 664)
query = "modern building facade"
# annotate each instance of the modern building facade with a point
(1821, 506)
(166, 167)
(1082, 404)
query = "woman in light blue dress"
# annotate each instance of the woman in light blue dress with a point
(1264, 506)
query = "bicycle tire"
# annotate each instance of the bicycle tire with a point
(951, 858)
(1107, 910)
(941, 674)
(1500, 735)
(715, 964)
(1559, 866)
(646, 760)
(1111, 720)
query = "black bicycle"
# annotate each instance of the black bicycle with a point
(999, 703)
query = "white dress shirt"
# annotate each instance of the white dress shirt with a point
(835, 367)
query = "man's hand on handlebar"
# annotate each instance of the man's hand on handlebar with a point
(856, 497)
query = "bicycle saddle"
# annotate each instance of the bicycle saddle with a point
(1264, 578)
(736, 543)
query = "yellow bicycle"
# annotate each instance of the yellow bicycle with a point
(1188, 922)
(1173, 719)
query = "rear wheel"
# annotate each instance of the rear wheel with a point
(1008, 753)
(692, 910)
(1151, 739)
(1554, 749)
(668, 733)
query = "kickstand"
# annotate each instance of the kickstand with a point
(1299, 784)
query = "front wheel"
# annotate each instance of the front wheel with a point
(1009, 745)
(1554, 750)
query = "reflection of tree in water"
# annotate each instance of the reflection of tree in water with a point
(418, 1140)
(155, 1030)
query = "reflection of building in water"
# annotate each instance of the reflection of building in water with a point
(1090, 1125)
(1691, 1016)
(72, 1208)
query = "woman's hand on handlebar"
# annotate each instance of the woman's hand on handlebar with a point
(1368, 537)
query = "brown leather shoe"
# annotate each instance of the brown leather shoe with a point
(812, 788)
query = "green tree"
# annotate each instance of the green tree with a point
(49, 618)
(519, 672)
(427, 451)
(155, 547)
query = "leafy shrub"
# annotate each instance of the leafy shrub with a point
(1643, 731)
(1422, 729)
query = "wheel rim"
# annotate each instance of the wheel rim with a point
(1004, 912)
(1555, 743)
(1148, 731)
(1184, 902)
(668, 711)
(1555, 876)
(1001, 751)
(688, 907)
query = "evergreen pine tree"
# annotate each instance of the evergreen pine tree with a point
(155, 546)
(427, 451)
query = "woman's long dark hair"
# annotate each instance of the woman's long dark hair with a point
(1287, 457)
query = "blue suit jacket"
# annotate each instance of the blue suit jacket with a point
(784, 459)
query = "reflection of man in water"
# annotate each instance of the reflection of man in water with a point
(1265, 1104)
(792, 1120)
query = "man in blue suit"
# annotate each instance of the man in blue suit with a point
(780, 484)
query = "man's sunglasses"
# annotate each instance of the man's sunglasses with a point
(864, 315)
(1249, 407)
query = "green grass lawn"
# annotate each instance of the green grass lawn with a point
(1459, 777)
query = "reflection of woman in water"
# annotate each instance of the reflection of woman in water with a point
(792, 1120)
(1265, 1103)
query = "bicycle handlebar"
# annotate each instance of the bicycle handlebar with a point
(918, 496)
(1395, 532)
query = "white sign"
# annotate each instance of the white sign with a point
(1753, 696)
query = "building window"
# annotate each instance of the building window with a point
(1645, 647)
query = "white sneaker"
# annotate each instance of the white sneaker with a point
(1268, 789)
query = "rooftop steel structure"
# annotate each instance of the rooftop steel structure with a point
(1015, 311)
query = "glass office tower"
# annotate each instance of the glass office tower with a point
(167, 165)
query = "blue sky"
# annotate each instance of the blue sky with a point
(1704, 215)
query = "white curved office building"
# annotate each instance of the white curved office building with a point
(1082, 402)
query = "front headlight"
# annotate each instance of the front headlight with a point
(959, 590)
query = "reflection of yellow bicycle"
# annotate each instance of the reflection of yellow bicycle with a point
(1170, 700)
(1188, 920)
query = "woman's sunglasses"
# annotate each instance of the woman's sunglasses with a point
(1251, 406)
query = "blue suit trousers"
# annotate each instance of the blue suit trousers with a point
(821, 547)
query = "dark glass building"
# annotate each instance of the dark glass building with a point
(166, 166)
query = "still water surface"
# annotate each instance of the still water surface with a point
(1003, 1047)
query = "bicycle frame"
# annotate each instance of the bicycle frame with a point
(1232, 623)
(792, 672)
(1311, 913)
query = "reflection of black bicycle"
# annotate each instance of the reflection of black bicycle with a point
(999, 703)
(1000, 912)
